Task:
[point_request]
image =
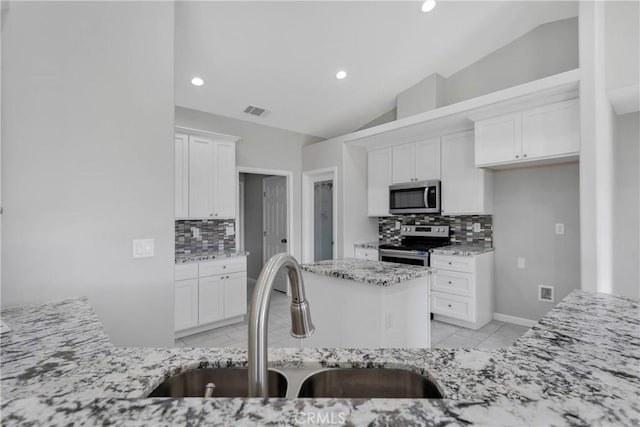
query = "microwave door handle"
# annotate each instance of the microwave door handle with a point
(426, 197)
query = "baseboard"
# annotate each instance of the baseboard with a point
(515, 320)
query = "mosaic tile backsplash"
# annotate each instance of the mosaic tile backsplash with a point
(461, 227)
(212, 238)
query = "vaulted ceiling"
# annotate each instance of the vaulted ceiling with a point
(283, 56)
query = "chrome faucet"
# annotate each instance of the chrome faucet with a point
(301, 325)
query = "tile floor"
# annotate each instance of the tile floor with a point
(443, 335)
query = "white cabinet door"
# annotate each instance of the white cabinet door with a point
(465, 188)
(181, 175)
(235, 294)
(498, 139)
(225, 180)
(551, 130)
(201, 177)
(211, 299)
(404, 163)
(427, 159)
(378, 181)
(185, 304)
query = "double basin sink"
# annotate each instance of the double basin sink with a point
(340, 383)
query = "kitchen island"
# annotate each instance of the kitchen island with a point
(577, 366)
(368, 304)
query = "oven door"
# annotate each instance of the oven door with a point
(405, 257)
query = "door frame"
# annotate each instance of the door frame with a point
(309, 178)
(261, 171)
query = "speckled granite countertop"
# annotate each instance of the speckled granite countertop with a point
(367, 245)
(577, 366)
(379, 273)
(460, 250)
(186, 259)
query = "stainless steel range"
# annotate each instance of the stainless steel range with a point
(415, 244)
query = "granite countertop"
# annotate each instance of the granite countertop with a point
(379, 273)
(367, 245)
(186, 259)
(577, 366)
(461, 250)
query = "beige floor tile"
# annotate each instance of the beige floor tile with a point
(457, 341)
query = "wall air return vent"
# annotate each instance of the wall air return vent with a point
(255, 111)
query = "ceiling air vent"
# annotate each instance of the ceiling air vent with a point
(255, 111)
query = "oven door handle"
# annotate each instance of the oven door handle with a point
(403, 254)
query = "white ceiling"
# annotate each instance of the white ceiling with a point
(283, 56)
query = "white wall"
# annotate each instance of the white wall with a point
(546, 50)
(87, 114)
(260, 147)
(622, 43)
(527, 204)
(626, 251)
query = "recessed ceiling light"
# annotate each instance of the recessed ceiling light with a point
(197, 81)
(428, 5)
(341, 75)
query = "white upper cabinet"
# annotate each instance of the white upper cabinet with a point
(181, 175)
(498, 139)
(544, 133)
(428, 159)
(205, 176)
(224, 180)
(465, 188)
(418, 161)
(201, 173)
(552, 130)
(378, 181)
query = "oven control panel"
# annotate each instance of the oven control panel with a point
(425, 230)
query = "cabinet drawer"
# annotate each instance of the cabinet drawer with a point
(186, 271)
(366, 253)
(455, 263)
(452, 306)
(223, 266)
(454, 282)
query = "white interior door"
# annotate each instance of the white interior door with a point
(274, 211)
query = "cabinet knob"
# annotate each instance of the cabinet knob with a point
(210, 214)
(449, 305)
(449, 262)
(224, 266)
(216, 214)
(524, 155)
(517, 157)
(449, 281)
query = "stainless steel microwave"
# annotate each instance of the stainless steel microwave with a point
(414, 197)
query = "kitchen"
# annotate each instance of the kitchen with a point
(111, 190)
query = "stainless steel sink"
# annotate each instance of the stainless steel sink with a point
(368, 383)
(229, 382)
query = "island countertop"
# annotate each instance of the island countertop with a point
(379, 273)
(577, 366)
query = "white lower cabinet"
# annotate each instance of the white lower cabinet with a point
(366, 253)
(210, 294)
(462, 290)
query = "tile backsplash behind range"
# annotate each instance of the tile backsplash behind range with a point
(461, 227)
(213, 237)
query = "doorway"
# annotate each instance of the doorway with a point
(319, 214)
(263, 220)
(323, 220)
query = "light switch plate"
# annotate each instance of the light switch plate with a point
(521, 263)
(143, 248)
(559, 228)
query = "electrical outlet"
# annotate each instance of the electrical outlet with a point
(230, 230)
(521, 263)
(397, 225)
(559, 228)
(143, 248)
(545, 293)
(476, 227)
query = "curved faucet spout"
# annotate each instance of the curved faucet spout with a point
(301, 325)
